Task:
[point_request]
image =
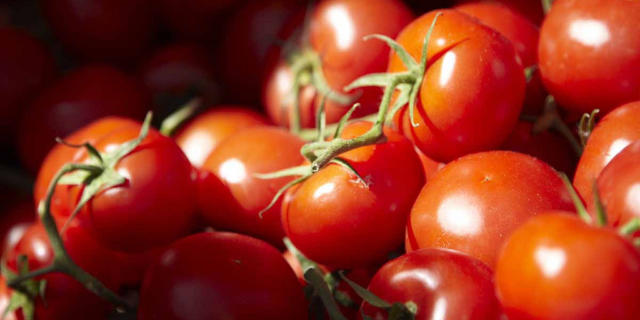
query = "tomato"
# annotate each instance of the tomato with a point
(29, 66)
(230, 196)
(194, 19)
(221, 276)
(589, 54)
(5, 297)
(331, 216)
(336, 31)
(611, 135)
(429, 165)
(105, 30)
(557, 267)
(473, 87)
(474, 203)
(84, 95)
(200, 137)
(531, 10)
(13, 222)
(443, 284)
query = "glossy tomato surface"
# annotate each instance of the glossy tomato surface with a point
(221, 276)
(13, 222)
(474, 203)
(557, 267)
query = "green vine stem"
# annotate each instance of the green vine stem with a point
(173, 122)
(586, 125)
(630, 227)
(552, 119)
(577, 202)
(546, 5)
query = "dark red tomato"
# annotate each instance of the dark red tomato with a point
(104, 30)
(612, 134)
(589, 54)
(230, 196)
(221, 276)
(557, 267)
(336, 31)
(84, 95)
(332, 216)
(26, 67)
(200, 137)
(13, 222)
(546, 146)
(522, 33)
(195, 19)
(135, 265)
(474, 203)
(473, 87)
(443, 284)
(429, 165)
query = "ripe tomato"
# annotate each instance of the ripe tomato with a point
(221, 276)
(331, 216)
(531, 10)
(474, 203)
(105, 30)
(589, 54)
(201, 136)
(611, 135)
(194, 19)
(443, 284)
(13, 222)
(230, 196)
(84, 95)
(473, 87)
(429, 165)
(557, 267)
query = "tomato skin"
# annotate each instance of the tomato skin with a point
(429, 165)
(532, 10)
(332, 209)
(230, 196)
(543, 272)
(13, 222)
(221, 276)
(472, 91)
(474, 203)
(611, 135)
(84, 95)
(441, 283)
(589, 55)
(200, 137)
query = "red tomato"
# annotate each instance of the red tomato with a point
(13, 222)
(532, 10)
(105, 30)
(194, 19)
(473, 87)
(26, 67)
(611, 135)
(200, 137)
(443, 284)
(474, 203)
(230, 196)
(332, 216)
(557, 267)
(429, 165)
(80, 97)
(590, 55)
(221, 276)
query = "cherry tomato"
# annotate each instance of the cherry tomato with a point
(331, 216)
(84, 95)
(201, 136)
(472, 91)
(557, 267)
(443, 284)
(221, 276)
(611, 135)
(104, 30)
(194, 19)
(230, 196)
(589, 54)
(474, 203)
(532, 10)
(13, 222)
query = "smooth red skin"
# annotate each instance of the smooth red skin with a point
(319, 218)
(546, 146)
(430, 166)
(82, 96)
(474, 203)
(229, 201)
(531, 10)
(597, 66)
(221, 276)
(570, 289)
(476, 106)
(135, 266)
(26, 67)
(522, 33)
(104, 30)
(443, 284)
(194, 19)
(202, 135)
(611, 135)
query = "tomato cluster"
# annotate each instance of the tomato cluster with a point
(339, 159)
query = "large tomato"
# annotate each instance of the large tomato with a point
(473, 87)
(590, 55)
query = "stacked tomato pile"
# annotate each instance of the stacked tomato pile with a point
(340, 159)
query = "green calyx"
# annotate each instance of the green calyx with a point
(24, 296)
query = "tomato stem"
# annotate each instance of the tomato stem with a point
(577, 202)
(630, 227)
(178, 118)
(586, 125)
(551, 119)
(601, 213)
